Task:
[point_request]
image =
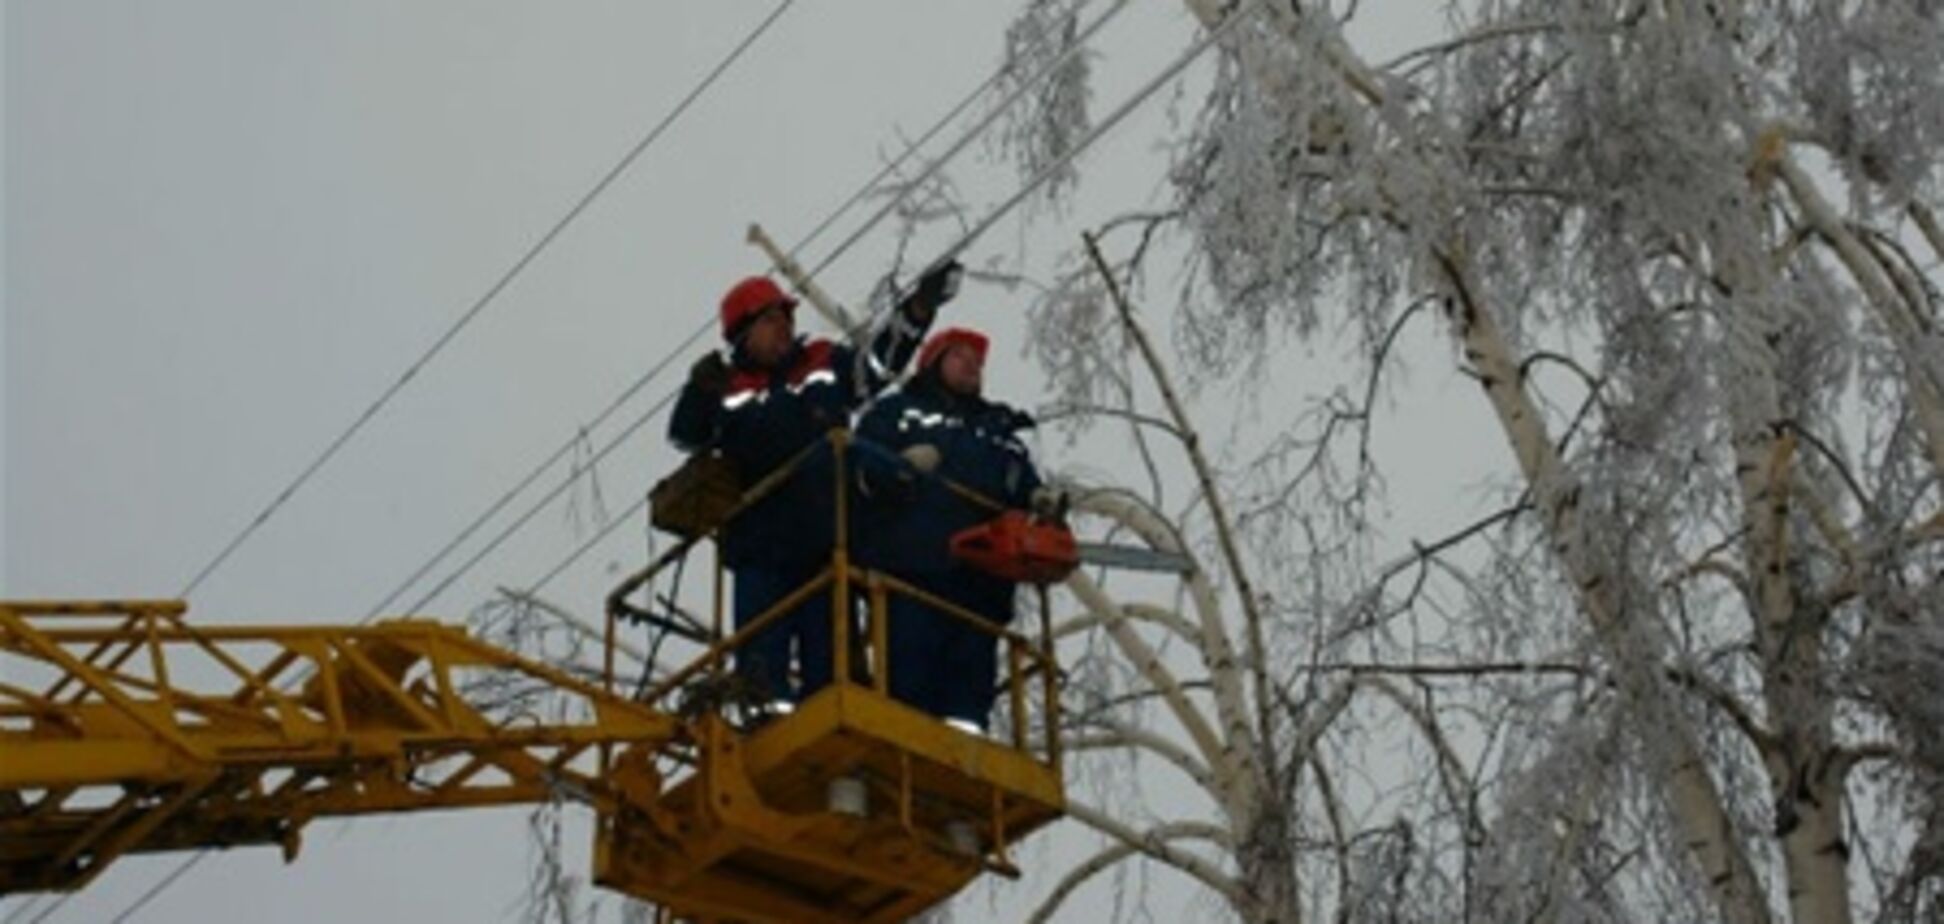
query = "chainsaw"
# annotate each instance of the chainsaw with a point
(1030, 549)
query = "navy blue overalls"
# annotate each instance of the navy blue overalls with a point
(938, 663)
(776, 546)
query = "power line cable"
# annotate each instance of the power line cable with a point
(534, 475)
(20, 911)
(627, 160)
(159, 887)
(964, 242)
(897, 162)
(541, 504)
(1066, 157)
(862, 192)
(1094, 134)
(490, 295)
(966, 139)
(633, 511)
(985, 224)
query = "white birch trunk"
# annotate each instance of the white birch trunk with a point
(1696, 803)
(1923, 364)
(1789, 639)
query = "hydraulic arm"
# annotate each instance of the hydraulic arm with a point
(124, 729)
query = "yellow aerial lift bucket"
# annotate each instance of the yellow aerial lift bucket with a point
(854, 806)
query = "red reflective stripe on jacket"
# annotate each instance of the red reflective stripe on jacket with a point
(815, 356)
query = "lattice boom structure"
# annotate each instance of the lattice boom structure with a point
(125, 729)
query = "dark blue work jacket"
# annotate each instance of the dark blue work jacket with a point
(908, 520)
(767, 416)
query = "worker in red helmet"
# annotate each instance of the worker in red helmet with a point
(771, 394)
(941, 428)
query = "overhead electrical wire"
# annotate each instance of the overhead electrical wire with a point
(21, 910)
(964, 242)
(505, 279)
(1093, 134)
(862, 192)
(588, 545)
(985, 224)
(534, 508)
(974, 132)
(871, 184)
(654, 371)
(492, 292)
(534, 475)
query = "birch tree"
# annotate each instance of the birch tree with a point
(1687, 666)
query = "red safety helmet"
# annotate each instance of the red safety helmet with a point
(749, 298)
(948, 338)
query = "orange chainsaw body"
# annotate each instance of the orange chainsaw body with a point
(1020, 547)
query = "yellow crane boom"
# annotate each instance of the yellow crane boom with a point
(143, 733)
(124, 729)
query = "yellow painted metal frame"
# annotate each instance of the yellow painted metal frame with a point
(754, 840)
(125, 729)
(116, 751)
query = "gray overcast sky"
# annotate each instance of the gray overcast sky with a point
(230, 224)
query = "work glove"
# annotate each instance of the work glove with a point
(1049, 503)
(936, 287)
(882, 475)
(923, 457)
(710, 375)
(1015, 420)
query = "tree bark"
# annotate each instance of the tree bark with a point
(1695, 801)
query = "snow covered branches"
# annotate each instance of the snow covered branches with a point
(1689, 255)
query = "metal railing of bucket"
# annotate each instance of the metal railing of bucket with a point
(1025, 660)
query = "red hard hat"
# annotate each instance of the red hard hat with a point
(747, 299)
(948, 338)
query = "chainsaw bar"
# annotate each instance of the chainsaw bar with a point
(1134, 558)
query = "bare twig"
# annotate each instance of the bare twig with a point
(1119, 850)
(1205, 476)
(1163, 850)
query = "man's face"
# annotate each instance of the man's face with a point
(768, 339)
(961, 370)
